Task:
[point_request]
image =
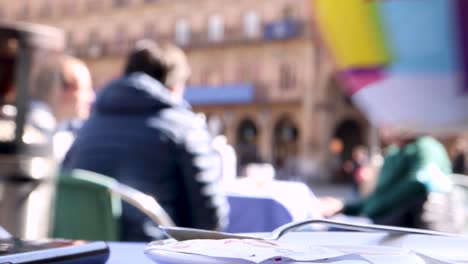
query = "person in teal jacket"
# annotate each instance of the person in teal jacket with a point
(415, 172)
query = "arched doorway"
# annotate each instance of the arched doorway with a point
(285, 146)
(348, 134)
(247, 143)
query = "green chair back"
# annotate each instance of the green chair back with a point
(85, 208)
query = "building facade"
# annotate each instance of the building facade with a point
(258, 69)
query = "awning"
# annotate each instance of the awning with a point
(238, 93)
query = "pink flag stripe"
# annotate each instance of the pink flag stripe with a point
(357, 79)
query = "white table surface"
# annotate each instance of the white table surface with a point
(453, 249)
(447, 248)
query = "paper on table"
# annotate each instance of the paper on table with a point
(388, 255)
(449, 248)
(266, 252)
(255, 251)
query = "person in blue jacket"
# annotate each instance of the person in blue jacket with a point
(142, 133)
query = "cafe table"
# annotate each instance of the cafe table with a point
(446, 248)
(127, 253)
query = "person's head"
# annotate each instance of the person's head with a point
(65, 86)
(336, 146)
(360, 153)
(165, 63)
(77, 93)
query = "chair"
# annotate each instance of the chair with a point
(88, 206)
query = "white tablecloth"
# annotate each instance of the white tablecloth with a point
(262, 207)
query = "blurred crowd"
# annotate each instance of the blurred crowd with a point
(139, 131)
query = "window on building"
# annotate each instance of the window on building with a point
(70, 42)
(251, 24)
(255, 73)
(23, 12)
(68, 7)
(46, 9)
(287, 76)
(94, 44)
(182, 32)
(95, 5)
(3, 14)
(149, 31)
(248, 71)
(288, 12)
(119, 3)
(120, 39)
(203, 76)
(216, 28)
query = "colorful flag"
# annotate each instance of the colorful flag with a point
(404, 62)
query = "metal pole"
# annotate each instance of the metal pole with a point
(22, 80)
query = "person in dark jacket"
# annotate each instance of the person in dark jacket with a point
(458, 156)
(142, 133)
(412, 184)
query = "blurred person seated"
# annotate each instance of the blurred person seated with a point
(75, 99)
(225, 150)
(458, 155)
(336, 148)
(61, 94)
(412, 185)
(142, 133)
(45, 98)
(359, 169)
(228, 158)
(77, 91)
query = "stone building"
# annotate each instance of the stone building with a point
(258, 68)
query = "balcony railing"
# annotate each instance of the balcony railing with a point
(233, 35)
(103, 48)
(287, 28)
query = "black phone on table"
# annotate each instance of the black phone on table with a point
(56, 251)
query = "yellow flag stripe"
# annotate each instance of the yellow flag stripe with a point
(352, 31)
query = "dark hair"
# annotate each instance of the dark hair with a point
(167, 64)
